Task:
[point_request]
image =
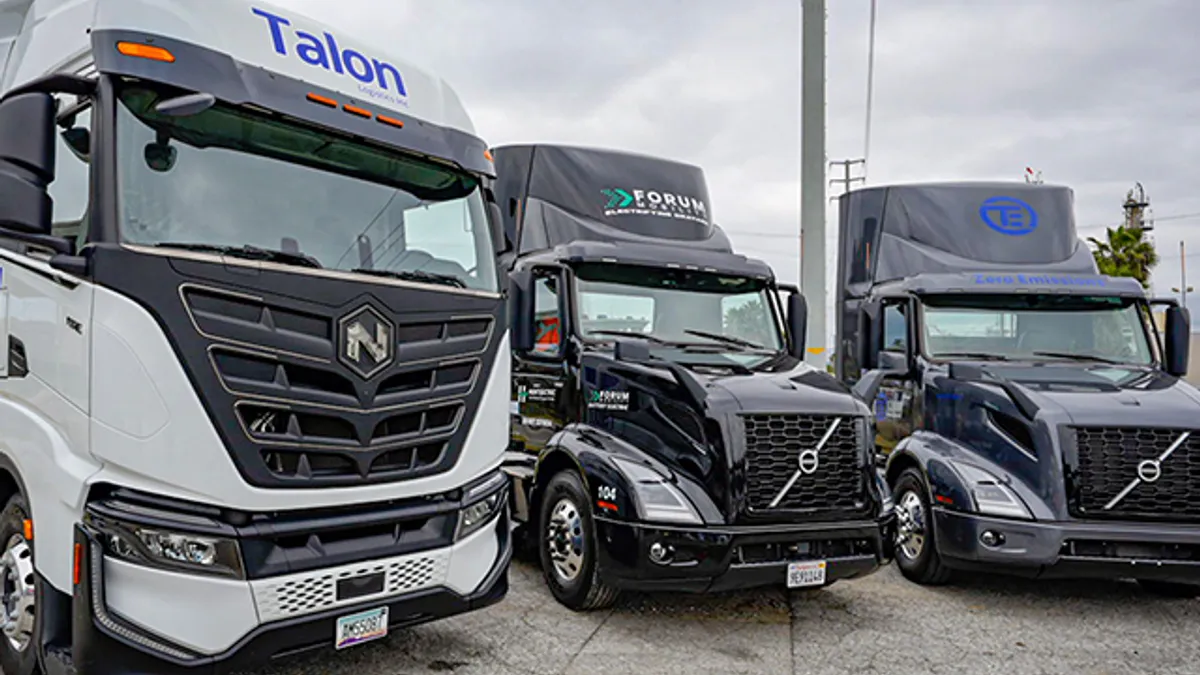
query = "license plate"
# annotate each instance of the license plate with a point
(809, 573)
(362, 627)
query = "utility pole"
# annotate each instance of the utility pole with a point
(812, 175)
(1183, 287)
(847, 179)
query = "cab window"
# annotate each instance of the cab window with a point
(547, 336)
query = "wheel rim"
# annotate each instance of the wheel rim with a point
(17, 600)
(564, 540)
(910, 525)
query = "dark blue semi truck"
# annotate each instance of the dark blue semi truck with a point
(1029, 412)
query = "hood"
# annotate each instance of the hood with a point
(1106, 395)
(799, 389)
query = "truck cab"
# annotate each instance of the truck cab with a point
(1030, 412)
(254, 356)
(666, 433)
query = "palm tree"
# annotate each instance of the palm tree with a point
(1125, 253)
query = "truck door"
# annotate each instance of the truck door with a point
(895, 409)
(539, 402)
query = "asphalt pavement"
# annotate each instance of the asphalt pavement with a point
(881, 624)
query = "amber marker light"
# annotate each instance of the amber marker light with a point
(145, 51)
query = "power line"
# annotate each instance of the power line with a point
(1156, 219)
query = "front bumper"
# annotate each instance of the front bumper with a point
(104, 643)
(1097, 550)
(715, 559)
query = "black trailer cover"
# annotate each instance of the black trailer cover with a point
(897, 231)
(556, 194)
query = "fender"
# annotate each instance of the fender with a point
(939, 458)
(591, 452)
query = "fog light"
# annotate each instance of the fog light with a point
(660, 554)
(992, 539)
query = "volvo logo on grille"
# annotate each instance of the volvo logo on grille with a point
(1149, 470)
(366, 341)
(809, 461)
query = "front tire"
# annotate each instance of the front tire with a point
(916, 546)
(567, 545)
(19, 590)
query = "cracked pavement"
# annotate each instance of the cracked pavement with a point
(881, 624)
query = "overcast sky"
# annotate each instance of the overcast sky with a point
(1097, 94)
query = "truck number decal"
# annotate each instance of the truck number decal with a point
(607, 492)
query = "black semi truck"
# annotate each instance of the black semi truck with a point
(666, 434)
(1029, 410)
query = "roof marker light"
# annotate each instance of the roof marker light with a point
(487, 154)
(145, 51)
(323, 100)
(355, 110)
(391, 121)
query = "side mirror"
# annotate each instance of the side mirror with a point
(867, 387)
(1178, 338)
(499, 240)
(26, 163)
(520, 310)
(797, 309)
(870, 335)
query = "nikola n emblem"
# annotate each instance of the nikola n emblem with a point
(366, 341)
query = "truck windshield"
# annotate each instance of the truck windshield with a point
(676, 307)
(236, 180)
(1037, 327)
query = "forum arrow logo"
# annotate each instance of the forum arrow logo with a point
(617, 198)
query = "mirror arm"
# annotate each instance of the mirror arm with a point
(59, 83)
(59, 245)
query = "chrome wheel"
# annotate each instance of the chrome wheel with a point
(910, 525)
(564, 540)
(17, 600)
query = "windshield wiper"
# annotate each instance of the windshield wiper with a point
(248, 252)
(726, 339)
(984, 356)
(626, 333)
(1078, 357)
(415, 275)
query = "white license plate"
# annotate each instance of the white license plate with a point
(362, 627)
(809, 573)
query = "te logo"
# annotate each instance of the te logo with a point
(1009, 215)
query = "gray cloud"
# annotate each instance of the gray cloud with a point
(1097, 94)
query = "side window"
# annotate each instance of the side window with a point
(71, 189)
(547, 337)
(895, 328)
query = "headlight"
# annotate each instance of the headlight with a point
(992, 497)
(656, 499)
(169, 549)
(481, 503)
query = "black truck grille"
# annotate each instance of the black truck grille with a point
(1111, 459)
(314, 422)
(774, 444)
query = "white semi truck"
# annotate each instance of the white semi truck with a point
(254, 357)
